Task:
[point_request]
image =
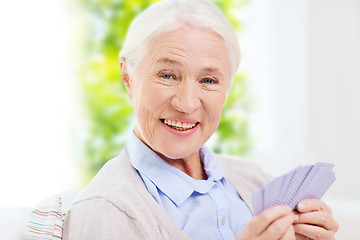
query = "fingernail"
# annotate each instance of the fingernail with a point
(302, 205)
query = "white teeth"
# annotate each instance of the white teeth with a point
(179, 125)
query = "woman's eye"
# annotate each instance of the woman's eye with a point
(208, 81)
(166, 76)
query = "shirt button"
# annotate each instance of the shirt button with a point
(223, 221)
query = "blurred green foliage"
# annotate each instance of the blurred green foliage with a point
(108, 114)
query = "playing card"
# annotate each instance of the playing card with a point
(257, 201)
(303, 182)
(315, 187)
(293, 188)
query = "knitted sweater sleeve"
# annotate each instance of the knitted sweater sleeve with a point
(97, 218)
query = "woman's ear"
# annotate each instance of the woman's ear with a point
(125, 76)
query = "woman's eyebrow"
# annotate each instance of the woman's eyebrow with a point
(167, 61)
(173, 62)
(212, 70)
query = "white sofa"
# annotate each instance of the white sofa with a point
(13, 223)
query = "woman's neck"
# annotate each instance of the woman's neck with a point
(191, 165)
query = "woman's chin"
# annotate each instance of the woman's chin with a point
(178, 154)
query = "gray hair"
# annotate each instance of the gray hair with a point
(169, 15)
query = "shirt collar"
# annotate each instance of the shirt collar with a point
(174, 183)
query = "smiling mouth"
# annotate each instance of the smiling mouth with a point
(179, 126)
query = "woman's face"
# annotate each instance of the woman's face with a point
(178, 90)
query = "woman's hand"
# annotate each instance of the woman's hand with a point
(315, 221)
(272, 224)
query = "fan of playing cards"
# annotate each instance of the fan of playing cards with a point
(304, 182)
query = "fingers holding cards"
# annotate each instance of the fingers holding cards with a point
(309, 205)
(315, 220)
(273, 223)
(306, 231)
(301, 190)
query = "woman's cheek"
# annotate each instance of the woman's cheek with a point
(215, 108)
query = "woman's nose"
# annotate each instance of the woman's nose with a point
(186, 99)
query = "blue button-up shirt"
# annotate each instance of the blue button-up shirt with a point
(203, 209)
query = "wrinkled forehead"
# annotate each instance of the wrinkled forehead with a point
(190, 46)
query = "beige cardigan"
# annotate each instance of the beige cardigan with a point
(116, 204)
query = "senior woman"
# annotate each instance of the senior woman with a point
(177, 64)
